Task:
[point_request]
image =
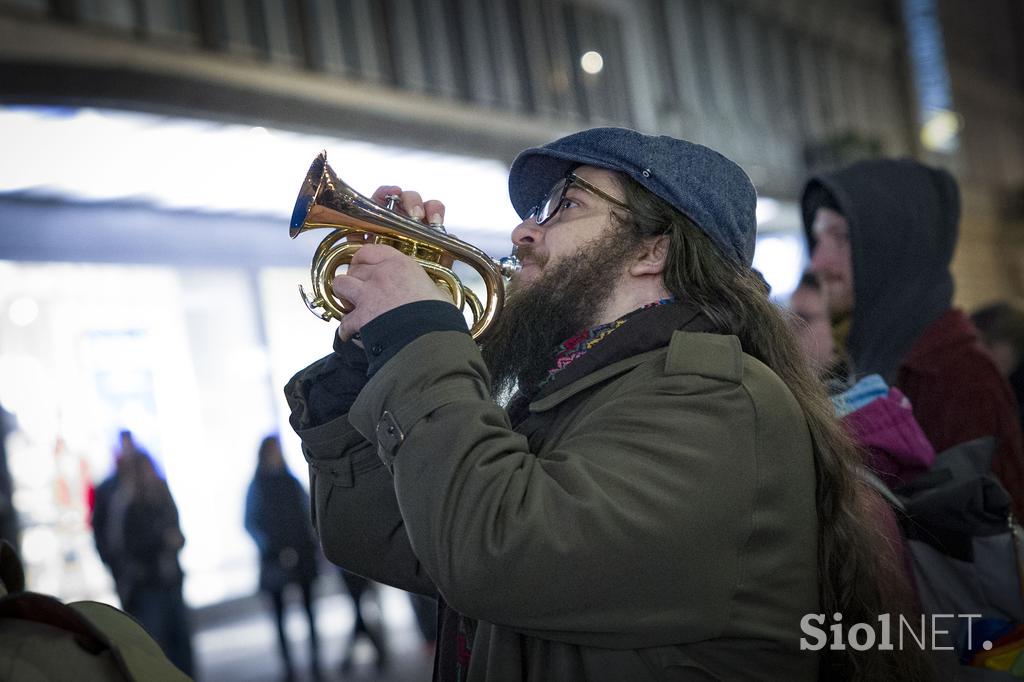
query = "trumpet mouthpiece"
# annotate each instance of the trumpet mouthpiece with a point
(509, 265)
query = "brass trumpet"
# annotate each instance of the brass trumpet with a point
(325, 201)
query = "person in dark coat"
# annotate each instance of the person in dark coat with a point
(1002, 328)
(150, 579)
(277, 518)
(107, 512)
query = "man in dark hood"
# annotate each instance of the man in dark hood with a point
(882, 234)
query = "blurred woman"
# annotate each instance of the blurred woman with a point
(277, 518)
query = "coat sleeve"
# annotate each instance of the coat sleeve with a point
(353, 504)
(641, 508)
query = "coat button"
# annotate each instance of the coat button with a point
(389, 438)
(376, 349)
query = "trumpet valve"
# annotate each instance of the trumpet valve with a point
(315, 305)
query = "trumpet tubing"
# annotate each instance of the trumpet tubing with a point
(326, 202)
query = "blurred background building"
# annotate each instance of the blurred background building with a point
(150, 151)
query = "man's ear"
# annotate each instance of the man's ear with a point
(651, 258)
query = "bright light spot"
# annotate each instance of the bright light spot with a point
(23, 311)
(940, 130)
(107, 155)
(779, 259)
(251, 359)
(766, 209)
(38, 544)
(592, 62)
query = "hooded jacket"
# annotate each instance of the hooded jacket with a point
(903, 219)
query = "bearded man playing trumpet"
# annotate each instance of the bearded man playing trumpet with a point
(665, 495)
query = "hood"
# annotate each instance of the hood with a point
(903, 219)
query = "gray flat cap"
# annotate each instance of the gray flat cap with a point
(700, 183)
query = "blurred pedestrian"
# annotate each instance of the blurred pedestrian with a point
(151, 579)
(425, 610)
(108, 504)
(1002, 328)
(361, 590)
(277, 518)
(9, 525)
(811, 327)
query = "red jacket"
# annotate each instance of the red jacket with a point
(958, 394)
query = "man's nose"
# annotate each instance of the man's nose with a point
(527, 232)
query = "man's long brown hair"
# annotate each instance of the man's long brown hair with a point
(858, 574)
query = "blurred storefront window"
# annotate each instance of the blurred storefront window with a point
(147, 283)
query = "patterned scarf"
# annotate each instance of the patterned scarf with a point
(578, 344)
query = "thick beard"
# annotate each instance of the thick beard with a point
(520, 347)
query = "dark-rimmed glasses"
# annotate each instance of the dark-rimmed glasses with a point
(547, 209)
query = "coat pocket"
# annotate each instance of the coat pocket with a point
(333, 465)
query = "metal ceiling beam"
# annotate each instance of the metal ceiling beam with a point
(52, 63)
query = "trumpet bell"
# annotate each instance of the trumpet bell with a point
(326, 202)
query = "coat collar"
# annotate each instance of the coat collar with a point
(645, 334)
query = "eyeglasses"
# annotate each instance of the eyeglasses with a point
(547, 209)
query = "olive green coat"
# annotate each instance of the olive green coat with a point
(654, 520)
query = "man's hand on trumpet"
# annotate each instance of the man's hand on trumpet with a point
(411, 204)
(380, 278)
